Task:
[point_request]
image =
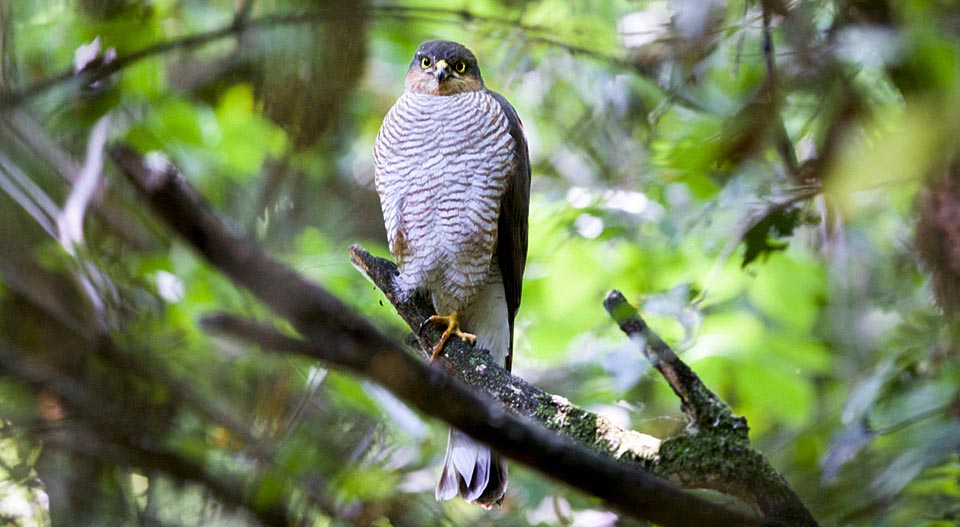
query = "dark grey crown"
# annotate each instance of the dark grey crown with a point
(452, 52)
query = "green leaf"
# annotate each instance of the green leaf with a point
(766, 236)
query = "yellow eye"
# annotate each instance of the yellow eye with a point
(460, 67)
(425, 62)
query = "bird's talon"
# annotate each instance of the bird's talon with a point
(453, 328)
(424, 324)
(436, 351)
(448, 321)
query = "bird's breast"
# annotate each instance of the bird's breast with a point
(442, 164)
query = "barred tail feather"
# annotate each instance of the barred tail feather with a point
(471, 471)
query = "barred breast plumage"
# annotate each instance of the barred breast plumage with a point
(441, 165)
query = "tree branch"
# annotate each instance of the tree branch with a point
(97, 428)
(704, 409)
(714, 453)
(743, 471)
(337, 335)
(10, 98)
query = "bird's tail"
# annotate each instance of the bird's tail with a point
(473, 471)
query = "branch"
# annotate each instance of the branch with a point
(704, 409)
(98, 429)
(770, 90)
(714, 453)
(335, 334)
(241, 22)
(739, 470)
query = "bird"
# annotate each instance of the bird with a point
(452, 169)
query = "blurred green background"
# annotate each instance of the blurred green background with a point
(757, 177)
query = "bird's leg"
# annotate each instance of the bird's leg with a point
(453, 328)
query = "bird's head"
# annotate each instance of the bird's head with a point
(441, 67)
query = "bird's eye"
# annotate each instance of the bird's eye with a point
(460, 67)
(425, 62)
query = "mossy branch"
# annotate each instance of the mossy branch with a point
(714, 452)
(577, 447)
(479, 370)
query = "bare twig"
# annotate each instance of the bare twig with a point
(70, 221)
(713, 428)
(784, 146)
(704, 409)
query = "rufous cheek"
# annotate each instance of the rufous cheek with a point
(455, 85)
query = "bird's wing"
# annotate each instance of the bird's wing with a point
(390, 183)
(512, 223)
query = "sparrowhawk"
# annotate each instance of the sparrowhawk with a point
(453, 174)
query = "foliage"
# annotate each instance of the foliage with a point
(667, 152)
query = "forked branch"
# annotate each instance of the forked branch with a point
(588, 453)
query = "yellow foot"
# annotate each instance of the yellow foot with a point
(453, 328)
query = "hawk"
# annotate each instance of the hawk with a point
(453, 174)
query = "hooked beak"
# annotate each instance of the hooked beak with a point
(440, 71)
